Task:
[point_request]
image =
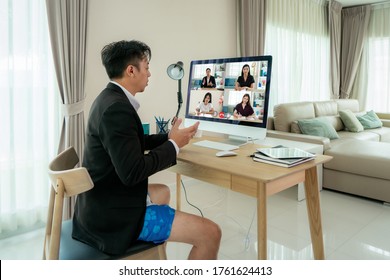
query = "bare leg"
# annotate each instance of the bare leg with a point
(159, 194)
(202, 233)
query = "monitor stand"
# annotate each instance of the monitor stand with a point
(229, 139)
(235, 140)
(223, 142)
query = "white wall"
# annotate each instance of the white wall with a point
(174, 29)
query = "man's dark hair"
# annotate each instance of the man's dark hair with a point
(118, 55)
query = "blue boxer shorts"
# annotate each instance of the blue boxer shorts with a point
(157, 224)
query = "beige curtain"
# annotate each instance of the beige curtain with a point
(354, 31)
(335, 47)
(251, 27)
(67, 26)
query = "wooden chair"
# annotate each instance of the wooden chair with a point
(68, 181)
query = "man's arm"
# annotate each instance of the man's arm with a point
(120, 136)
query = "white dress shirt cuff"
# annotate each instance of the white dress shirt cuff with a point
(175, 145)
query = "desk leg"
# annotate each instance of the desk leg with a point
(261, 222)
(314, 212)
(178, 191)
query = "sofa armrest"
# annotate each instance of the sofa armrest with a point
(325, 142)
(384, 116)
(386, 123)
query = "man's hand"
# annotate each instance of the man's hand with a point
(182, 136)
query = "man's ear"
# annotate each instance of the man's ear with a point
(130, 70)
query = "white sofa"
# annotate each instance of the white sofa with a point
(361, 160)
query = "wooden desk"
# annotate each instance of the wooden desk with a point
(241, 174)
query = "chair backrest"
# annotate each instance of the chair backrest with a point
(65, 181)
(76, 180)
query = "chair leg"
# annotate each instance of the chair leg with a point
(162, 251)
(57, 221)
(49, 222)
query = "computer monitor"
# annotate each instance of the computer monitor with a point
(225, 97)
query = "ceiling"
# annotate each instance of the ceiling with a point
(348, 3)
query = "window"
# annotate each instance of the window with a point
(297, 37)
(200, 70)
(29, 114)
(372, 82)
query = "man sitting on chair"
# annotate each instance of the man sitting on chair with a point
(123, 207)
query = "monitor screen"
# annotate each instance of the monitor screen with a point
(230, 95)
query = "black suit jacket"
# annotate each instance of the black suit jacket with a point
(204, 82)
(110, 216)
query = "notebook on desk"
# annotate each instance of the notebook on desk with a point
(285, 153)
(280, 162)
(282, 156)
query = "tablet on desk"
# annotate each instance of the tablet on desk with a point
(285, 153)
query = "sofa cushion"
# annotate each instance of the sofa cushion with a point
(325, 108)
(318, 127)
(350, 121)
(285, 114)
(351, 104)
(367, 158)
(370, 120)
(383, 133)
(295, 127)
(367, 135)
(335, 121)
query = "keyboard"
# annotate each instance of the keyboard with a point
(216, 145)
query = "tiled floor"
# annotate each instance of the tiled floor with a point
(354, 228)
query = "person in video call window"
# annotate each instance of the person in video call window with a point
(123, 207)
(244, 109)
(246, 80)
(205, 107)
(208, 81)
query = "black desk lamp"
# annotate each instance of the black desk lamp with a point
(176, 72)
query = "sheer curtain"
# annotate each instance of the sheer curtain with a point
(29, 114)
(297, 36)
(372, 85)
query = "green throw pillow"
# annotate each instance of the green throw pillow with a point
(350, 121)
(370, 120)
(318, 127)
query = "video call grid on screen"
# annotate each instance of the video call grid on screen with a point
(224, 95)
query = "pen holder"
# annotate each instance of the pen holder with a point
(146, 128)
(162, 127)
